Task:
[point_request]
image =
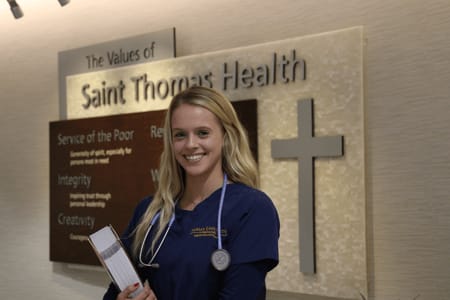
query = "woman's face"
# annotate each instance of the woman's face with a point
(197, 138)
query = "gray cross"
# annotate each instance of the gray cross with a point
(306, 148)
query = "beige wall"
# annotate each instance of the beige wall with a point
(407, 133)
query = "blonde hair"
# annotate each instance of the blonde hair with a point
(237, 160)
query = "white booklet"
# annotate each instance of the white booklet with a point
(114, 258)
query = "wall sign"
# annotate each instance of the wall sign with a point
(134, 50)
(328, 68)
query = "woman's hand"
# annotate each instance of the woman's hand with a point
(146, 294)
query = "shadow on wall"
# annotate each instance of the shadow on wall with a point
(90, 275)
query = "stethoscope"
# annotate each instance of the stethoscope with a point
(220, 258)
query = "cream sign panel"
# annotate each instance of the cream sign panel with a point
(314, 81)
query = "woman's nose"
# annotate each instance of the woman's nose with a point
(192, 141)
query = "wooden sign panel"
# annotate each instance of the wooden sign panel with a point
(100, 168)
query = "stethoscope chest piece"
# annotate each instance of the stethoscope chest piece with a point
(220, 259)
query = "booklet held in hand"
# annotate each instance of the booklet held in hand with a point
(111, 253)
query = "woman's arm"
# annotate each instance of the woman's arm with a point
(245, 281)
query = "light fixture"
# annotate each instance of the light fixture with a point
(63, 2)
(15, 9)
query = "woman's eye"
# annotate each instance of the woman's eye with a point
(203, 133)
(178, 135)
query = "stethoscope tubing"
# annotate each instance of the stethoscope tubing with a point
(219, 213)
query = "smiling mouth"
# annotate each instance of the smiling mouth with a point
(194, 157)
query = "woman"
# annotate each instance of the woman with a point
(208, 184)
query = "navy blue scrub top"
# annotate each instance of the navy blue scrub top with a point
(250, 231)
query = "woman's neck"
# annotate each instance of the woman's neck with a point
(198, 189)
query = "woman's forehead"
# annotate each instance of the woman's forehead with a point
(188, 115)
